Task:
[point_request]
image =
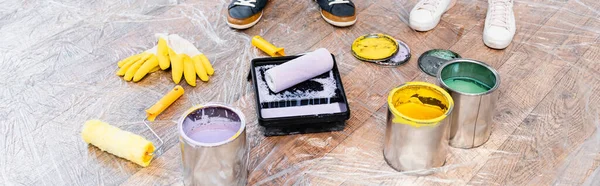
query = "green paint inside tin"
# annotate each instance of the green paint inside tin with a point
(466, 85)
(469, 77)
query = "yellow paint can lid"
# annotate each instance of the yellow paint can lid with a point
(374, 47)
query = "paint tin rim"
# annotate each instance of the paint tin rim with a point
(464, 60)
(420, 122)
(185, 138)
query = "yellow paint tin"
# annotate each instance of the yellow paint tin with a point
(419, 104)
(417, 128)
(374, 47)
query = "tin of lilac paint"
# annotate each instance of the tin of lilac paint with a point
(213, 145)
(211, 124)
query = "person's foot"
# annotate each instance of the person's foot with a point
(500, 25)
(340, 13)
(427, 13)
(243, 14)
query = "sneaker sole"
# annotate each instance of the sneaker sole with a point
(336, 23)
(339, 24)
(429, 26)
(496, 44)
(246, 26)
(424, 27)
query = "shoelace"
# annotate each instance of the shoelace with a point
(245, 3)
(429, 5)
(499, 13)
(332, 2)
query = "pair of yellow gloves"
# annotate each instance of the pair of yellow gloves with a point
(170, 51)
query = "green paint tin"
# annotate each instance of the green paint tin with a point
(472, 85)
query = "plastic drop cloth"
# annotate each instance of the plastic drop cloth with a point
(58, 63)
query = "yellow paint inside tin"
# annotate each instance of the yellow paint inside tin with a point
(419, 104)
(374, 47)
(419, 110)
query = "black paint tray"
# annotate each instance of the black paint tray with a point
(294, 110)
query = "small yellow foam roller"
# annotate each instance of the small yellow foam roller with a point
(121, 143)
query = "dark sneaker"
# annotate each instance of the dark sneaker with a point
(338, 12)
(243, 14)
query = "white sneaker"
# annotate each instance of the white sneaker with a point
(500, 25)
(427, 13)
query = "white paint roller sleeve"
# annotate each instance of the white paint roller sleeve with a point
(299, 70)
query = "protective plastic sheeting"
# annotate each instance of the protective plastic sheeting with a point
(59, 58)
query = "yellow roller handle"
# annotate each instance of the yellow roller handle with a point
(164, 103)
(267, 47)
(121, 143)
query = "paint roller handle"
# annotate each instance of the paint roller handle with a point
(158, 149)
(267, 47)
(164, 103)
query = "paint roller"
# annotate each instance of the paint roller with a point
(298, 70)
(125, 144)
(121, 143)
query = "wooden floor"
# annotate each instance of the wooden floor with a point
(60, 63)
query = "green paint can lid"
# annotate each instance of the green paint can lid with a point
(430, 61)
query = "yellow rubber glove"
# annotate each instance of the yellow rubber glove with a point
(186, 60)
(162, 51)
(137, 66)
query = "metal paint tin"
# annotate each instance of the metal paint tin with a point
(417, 143)
(471, 120)
(213, 145)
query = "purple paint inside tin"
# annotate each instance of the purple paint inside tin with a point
(211, 124)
